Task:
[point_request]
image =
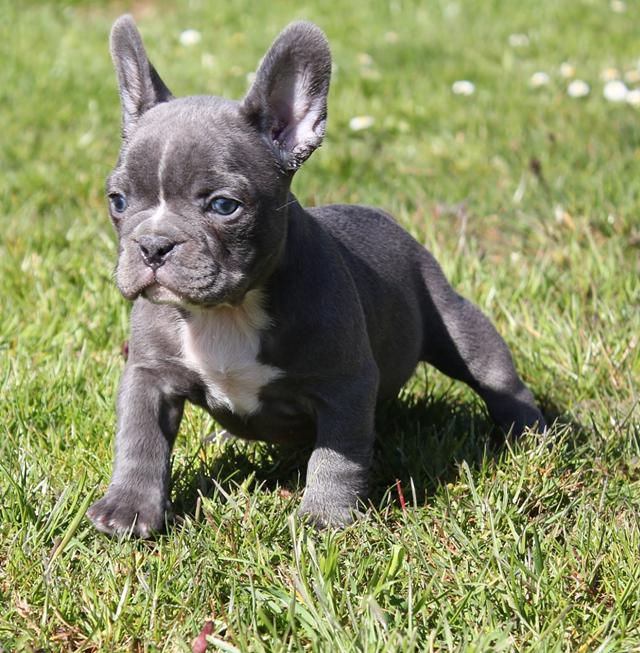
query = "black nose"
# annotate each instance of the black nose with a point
(155, 249)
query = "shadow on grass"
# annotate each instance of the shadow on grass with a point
(424, 440)
(421, 443)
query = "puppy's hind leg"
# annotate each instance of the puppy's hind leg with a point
(462, 343)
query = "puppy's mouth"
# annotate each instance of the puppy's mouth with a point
(159, 290)
(145, 283)
(158, 294)
(178, 284)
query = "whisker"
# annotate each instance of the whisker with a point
(293, 201)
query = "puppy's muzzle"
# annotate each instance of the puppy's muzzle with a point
(155, 250)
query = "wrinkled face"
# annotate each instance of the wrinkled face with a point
(199, 196)
(198, 204)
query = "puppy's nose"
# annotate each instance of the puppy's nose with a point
(155, 249)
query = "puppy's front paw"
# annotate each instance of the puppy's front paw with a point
(324, 511)
(123, 511)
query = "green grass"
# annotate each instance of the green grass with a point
(530, 201)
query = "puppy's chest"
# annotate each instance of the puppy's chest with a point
(222, 346)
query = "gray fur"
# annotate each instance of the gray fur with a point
(324, 311)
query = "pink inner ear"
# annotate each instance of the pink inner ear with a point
(296, 113)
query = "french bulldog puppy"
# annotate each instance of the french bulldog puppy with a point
(286, 324)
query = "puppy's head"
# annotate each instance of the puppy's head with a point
(199, 195)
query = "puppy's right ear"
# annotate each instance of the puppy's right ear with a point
(140, 85)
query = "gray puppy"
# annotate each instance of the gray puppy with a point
(286, 324)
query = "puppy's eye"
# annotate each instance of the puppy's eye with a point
(223, 205)
(118, 202)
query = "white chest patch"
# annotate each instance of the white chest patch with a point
(222, 345)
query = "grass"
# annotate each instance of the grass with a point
(529, 199)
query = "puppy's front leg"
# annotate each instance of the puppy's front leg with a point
(148, 421)
(338, 470)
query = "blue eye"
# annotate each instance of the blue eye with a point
(222, 205)
(118, 202)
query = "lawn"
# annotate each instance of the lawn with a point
(528, 197)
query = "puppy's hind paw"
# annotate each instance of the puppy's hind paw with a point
(530, 419)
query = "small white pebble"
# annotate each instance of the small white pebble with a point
(615, 91)
(609, 74)
(633, 97)
(618, 6)
(567, 70)
(518, 40)
(463, 87)
(358, 123)
(190, 37)
(578, 88)
(539, 79)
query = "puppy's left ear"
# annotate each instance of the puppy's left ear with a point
(288, 100)
(140, 85)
